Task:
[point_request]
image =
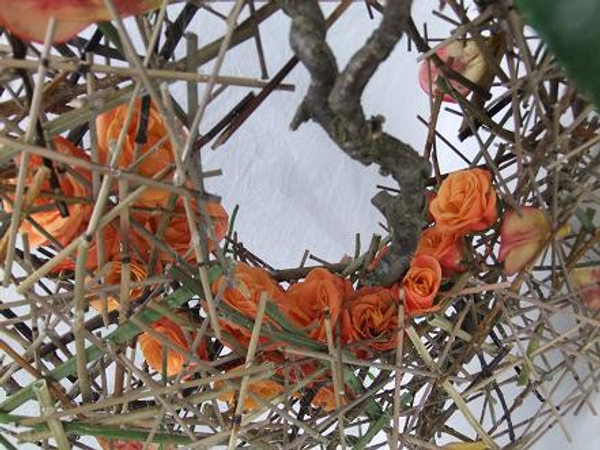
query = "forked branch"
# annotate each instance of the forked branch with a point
(333, 101)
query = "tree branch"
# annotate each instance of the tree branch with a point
(334, 102)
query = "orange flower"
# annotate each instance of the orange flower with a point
(465, 202)
(111, 248)
(178, 236)
(154, 155)
(118, 444)
(444, 246)
(265, 389)
(63, 229)
(325, 399)
(112, 276)
(587, 282)
(462, 57)
(250, 283)
(29, 19)
(306, 301)
(153, 349)
(522, 235)
(373, 317)
(421, 284)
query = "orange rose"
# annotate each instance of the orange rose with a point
(153, 349)
(250, 283)
(29, 19)
(522, 235)
(265, 389)
(154, 155)
(465, 202)
(48, 216)
(373, 317)
(112, 276)
(178, 236)
(111, 249)
(462, 57)
(444, 246)
(587, 282)
(306, 301)
(421, 283)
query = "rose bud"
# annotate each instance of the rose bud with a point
(587, 282)
(522, 235)
(29, 19)
(421, 284)
(462, 57)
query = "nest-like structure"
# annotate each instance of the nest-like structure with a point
(121, 328)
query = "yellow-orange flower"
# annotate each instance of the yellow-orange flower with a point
(462, 57)
(305, 302)
(465, 202)
(29, 19)
(522, 235)
(112, 276)
(587, 282)
(444, 246)
(265, 389)
(373, 316)
(153, 349)
(421, 284)
(244, 296)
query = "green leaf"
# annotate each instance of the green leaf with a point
(111, 33)
(570, 29)
(375, 428)
(371, 406)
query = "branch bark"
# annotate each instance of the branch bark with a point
(333, 101)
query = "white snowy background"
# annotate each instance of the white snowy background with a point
(297, 190)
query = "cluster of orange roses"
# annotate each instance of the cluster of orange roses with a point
(45, 224)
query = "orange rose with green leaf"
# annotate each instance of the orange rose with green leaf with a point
(249, 283)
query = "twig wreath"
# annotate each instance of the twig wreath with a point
(141, 321)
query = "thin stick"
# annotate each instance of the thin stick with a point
(254, 338)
